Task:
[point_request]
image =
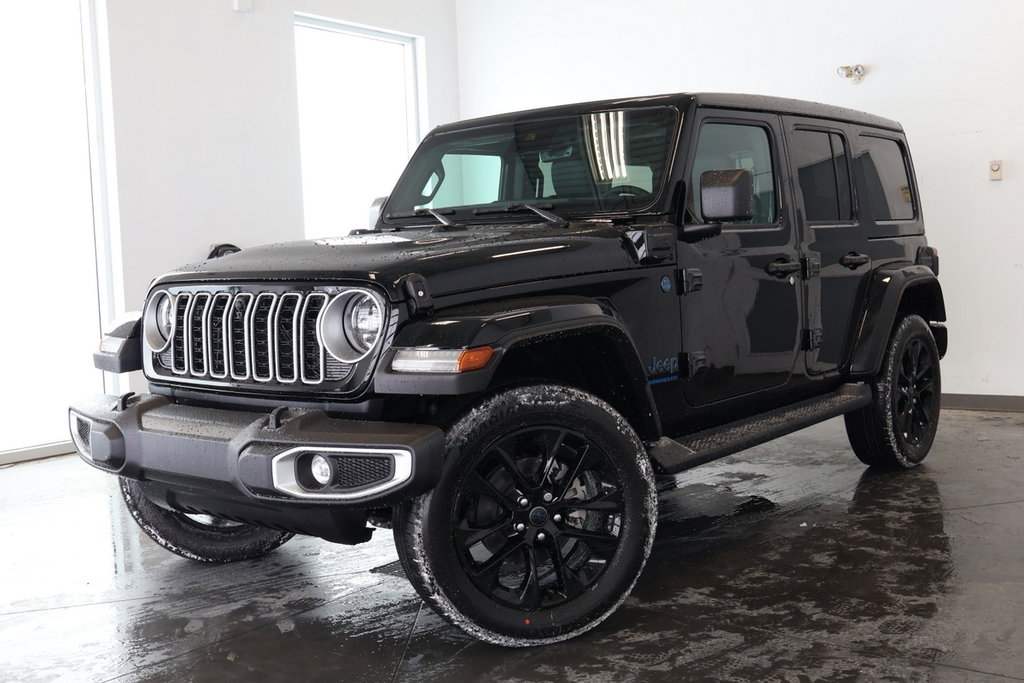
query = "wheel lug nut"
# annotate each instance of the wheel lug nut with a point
(541, 537)
(523, 502)
(520, 527)
(548, 497)
(557, 519)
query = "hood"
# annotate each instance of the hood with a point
(452, 261)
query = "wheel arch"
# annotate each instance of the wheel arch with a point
(599, 359)
(570, 340)
(893, 293)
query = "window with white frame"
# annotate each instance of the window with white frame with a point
(48, 279)
(359, 92)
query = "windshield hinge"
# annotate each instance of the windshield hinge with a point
(417, 294)
(651, 244)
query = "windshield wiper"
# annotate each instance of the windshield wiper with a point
(445, 222)
(554, 219)
(442, 219)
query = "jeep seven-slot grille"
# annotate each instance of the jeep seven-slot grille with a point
(246, 337)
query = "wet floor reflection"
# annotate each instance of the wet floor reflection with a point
(789, 562)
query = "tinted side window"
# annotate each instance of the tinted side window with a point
(820, 160)
(842, 160)
(885, 179)
(730, 146)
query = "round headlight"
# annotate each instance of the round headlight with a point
(159, 322)
(351, 325)
(364, 322)
(164, 321)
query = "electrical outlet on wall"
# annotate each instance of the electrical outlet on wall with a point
(995, 169)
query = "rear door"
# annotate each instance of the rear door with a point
(834, 250)
(742, 306)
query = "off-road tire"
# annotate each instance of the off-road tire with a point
(427, 537)
(190, 538)
(906, 391)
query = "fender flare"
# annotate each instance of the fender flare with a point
(506, 326)
(887, 290)
(121, 348)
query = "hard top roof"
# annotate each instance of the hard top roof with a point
(761, 103)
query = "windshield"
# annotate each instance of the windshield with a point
(605, 161)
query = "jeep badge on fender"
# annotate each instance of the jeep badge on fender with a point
(551, 307)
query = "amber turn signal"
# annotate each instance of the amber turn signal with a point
(474, 359)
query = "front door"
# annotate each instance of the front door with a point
(742, 307)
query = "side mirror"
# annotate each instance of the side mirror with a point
(376, 206)
(727, 196)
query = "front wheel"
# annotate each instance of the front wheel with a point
(541, 523)
(897, 429)
(198, 537)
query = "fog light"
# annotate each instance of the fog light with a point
(320, 468)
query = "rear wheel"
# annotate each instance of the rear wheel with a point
(897, 429)
(203, 538)
(541, 523)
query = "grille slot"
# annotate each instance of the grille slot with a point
(216, 325)
(182, 303)
(257, 337)
(310, 350)
(238, 340)
(262, 339)
(197, 345)
(286, 332)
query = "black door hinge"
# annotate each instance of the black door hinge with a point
(810, 266)
(693, 363)
(690, 280)
(812, 339)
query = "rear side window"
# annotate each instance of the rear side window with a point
(824, 176)
(886, 180)
(729, 146)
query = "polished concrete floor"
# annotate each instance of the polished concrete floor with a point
(788, 562)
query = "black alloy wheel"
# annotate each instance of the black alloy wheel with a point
(914, 394)
(541, 523)
(199, 537)
(537, 517)
(897, 428)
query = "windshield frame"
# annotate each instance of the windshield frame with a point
(465, 215)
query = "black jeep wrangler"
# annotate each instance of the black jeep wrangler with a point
(551, 307)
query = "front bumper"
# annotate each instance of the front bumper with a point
(253, 467)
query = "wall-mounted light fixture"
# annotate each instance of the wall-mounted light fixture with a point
(855, 73)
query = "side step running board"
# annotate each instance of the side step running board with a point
(673, 456)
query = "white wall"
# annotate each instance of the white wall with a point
(205, 119)
(951, 73)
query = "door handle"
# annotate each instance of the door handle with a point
(853, 260)
(782, 268)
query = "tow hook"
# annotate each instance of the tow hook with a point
(274, 421)
(122, 401)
